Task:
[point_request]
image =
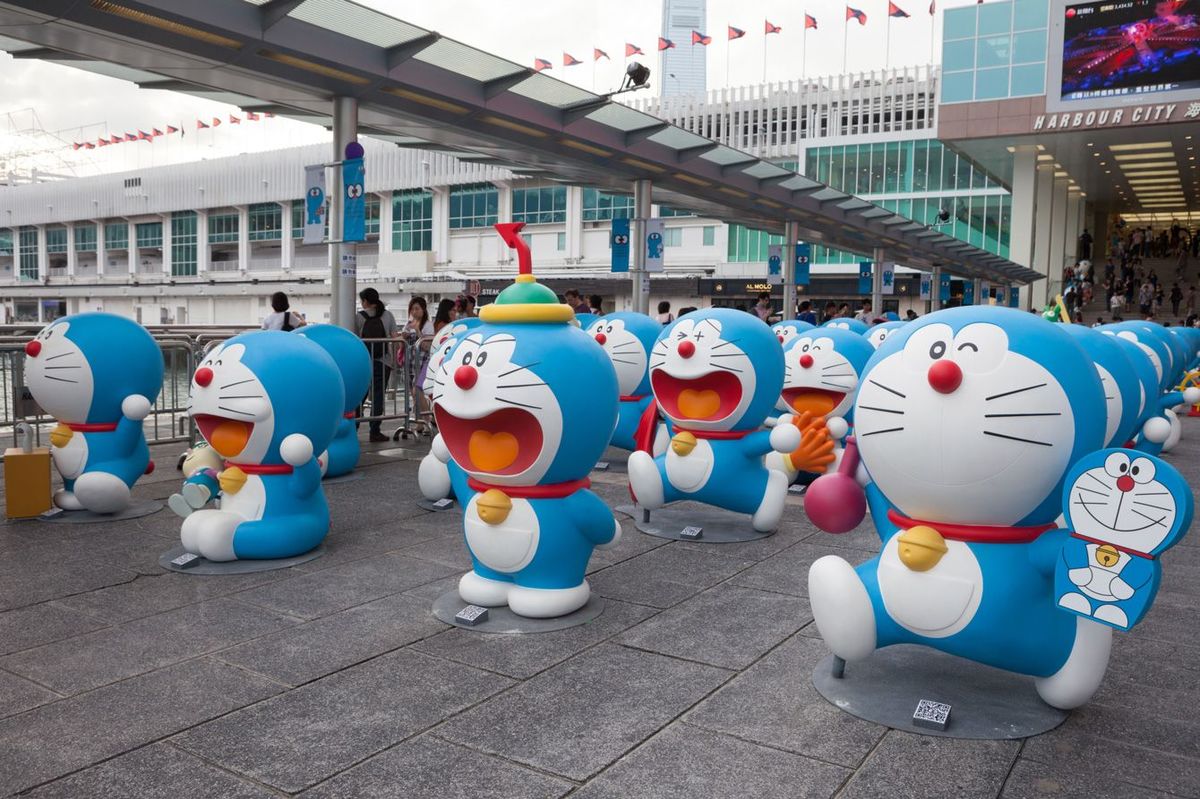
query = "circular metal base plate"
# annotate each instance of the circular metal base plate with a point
(986, 703)
(719, 526)
(503, 620)
(210, 567)
(135, 510)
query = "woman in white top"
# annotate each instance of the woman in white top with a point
(282, 318)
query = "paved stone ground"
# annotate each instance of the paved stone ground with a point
(332, 679)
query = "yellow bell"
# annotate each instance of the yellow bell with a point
(683, 443)
(231, 480)
(61, 435)
(493, 506)
(1107, 555)
(921, 548)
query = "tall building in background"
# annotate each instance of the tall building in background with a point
(682, 69)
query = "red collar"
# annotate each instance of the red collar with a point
(260, 468)
(552, 491)
(716, 434)
(349, 415)
(632, 397)
(975, 533)
(1117, 547)
(92, 427)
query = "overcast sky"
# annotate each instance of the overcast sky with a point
(77, 105)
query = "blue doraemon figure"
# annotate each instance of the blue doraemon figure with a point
(440, 486)
(1124, 509)
(523, 431)
(314, 206)
(585, 320)
(822, 372)
(1161, 396)
(848, 323)
(268, 402)
(968, 422)
(878, 334)
(1123, 391)
(354, 362)
(716, 374)
(627, 339)
(98, 374)
(787, 330)
(654, 246)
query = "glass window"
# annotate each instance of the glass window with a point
(958, 55)
(958, 87)
(85, 238)
(810, 161)
(958, 23)
(540, 206)
(877, 168)
(474, 206)
(747, 246)
(1028, 79)
(936, 150)
(266, 222)
(710, 235)
(149, 234)
(991, 84)
(1029, 14)
(666, 211)
(222, 228)
(920, 173)
(1028, 47)
(116, 236)
(56, 239)
(599, 205)
(183, 244)
(906, 166)
(561, 242)
(412, 221)
(995, 17)
(826, 154)
(891, 167)
(372, 215)
(27, 256)
(6, 242)
(837, 166)
(673, 237)
(1005, 224)
(993, 51)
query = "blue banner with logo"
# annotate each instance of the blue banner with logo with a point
(968, 292)
(775, 264)
(864, 277)
(354, 205)
(943, 287)
(1014, 297)
(803, 256)
(926, 287)
(618, 240)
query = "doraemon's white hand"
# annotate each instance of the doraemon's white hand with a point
(782, 419)
(837, 428)
(1191, 395)
(1080, 576)
(296, 449)
(1156, 430)
(135, 407)
(439, 450)
(1121, 589)
(785, 438)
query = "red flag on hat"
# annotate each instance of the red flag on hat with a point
(597, 54)
(771, 28)
(632, 49)
(540, 63)
(810, 22)
(854, 13)
(697, 38)
(735, 33)
(667, 44)
(570, 60)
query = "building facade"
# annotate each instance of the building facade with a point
(683, 69)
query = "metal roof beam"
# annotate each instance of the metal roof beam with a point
(633, 137)
(274, 10)
(402, 52)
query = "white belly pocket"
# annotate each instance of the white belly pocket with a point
(508, 546)
(689, 473)
(71, 459)
(936, 603)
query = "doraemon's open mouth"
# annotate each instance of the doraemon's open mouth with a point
(817, 401)
(505, 442)
(708, 398)
(227, 436)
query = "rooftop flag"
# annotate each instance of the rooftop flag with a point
(597, 54)
(932, 7)
(896, 11)
(632, 49)
(77, 145)
(810, 22)
(253, 117)
(103, 142)
(854, 13)
(200, 125)
(667, 44)
(735, 33)
(234, 120)
(570, 60)
(216, 121)
(130, 137)
(540, 63)
(769, 28)
(699, 38)
(156, 132)
(144, 136)
(89, 146)
(172, 129)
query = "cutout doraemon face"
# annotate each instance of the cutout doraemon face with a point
(879, 333)
(846, 323)
(716, 369)
(626, 339)
(973, 415)
(499, 419)
(821, 371)
(58, 374)
(231, 406)
(787, 331)
(1130, 500)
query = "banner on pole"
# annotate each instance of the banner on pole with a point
(618, 240)
(775, 264)
(314, 204)
(654, 245)
(354, 202)
(926, 287)
(985, 293)
(889, 279)
(944, 287)
(1014, 297)
(803, 256)
(968, 292)
(864, 277)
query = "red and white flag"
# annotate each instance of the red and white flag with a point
(735, 33)
(234, 120)
(597, 54)
(769, 29)
(700, 38)
(540, 64)
(570, 60)
(200, 125)
(632, 49)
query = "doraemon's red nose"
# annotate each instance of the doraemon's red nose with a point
(945, 377)
(1125, 483)
(806, 361)
(465, 376)
(33, 348)
(686, 349)
(601, 338)
(780, 339)
(203, 376)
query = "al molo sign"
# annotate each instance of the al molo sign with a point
(1112, 117)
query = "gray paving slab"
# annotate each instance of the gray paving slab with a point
(632, 544)
(905, 764)
(788, 534)
(428, 768)
(311, 733)
(1172, 620)
(522, 656)
(728, 626)
(445, 549)
(115, 653)
(579, 716)
(862, 537)
(1032, 780)
(31, 581)
(665, 576)
(61, 737)
(307, 651)
(774, 703)
(787, 572)
(18, 695)
(429, 592)
(347, 546)
(684, 762)
(327, 591)
(42, 624)
(159, 771)
(149, 595)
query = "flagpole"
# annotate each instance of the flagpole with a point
(887, 47)
(766, 39)
(804, 52)
(845, 42)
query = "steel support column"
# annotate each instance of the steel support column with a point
(641, 212)
(877, 256)
(343, 282)
(791, 235)
(935, 290)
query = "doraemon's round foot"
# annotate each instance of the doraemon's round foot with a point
(101, 492)
(841, 608)
(1081, 675)
(1113, 615)
(547, 603)
(209, 533)
(645, 480)
(1075, 602)
(770, 510)
(780, 462)
(67, 500)
(478, 590)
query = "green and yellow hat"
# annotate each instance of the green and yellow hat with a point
(525, 300)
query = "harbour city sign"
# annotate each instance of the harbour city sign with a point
(1114, 117)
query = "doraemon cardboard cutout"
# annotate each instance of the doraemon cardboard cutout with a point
(354, 363)
(98, 374)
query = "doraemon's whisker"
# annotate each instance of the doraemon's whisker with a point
(1079, 501)
(1017, 415)
(238, 383)
(881, 432)
(726, 343)
(663, 344)
(238, 396)
(1144, 516)
(63, 367)
(881, 410)
(520, 404)
(1106, 397)
(498, 340)
(1152, 493)
(60, 379)
(1097, 479)
(835, 385)
(656, 364)
(729, 355)
(1018, 438)
(519, 368)
(1014, 391)
(630, 346)
(435, 397)
(1149, 505)
(521, 385)
(891, 390)
(622, 360)
(60, 355)
(1092, 491)
(840, 374)
(235, 410)
(727, 368)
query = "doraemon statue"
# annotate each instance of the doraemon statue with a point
(627, 338)
(354, 362)
(788, 329)
(848, 323)
(98, 374)
(1124, 509)
(968, 421)
(879, 333)
(716, 374)
(586, 320)
(1151, 340)
(268, 402)
(1123, 394)
(442, 342)
(525, 407)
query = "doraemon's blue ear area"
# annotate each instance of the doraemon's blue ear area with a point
(853, 325)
